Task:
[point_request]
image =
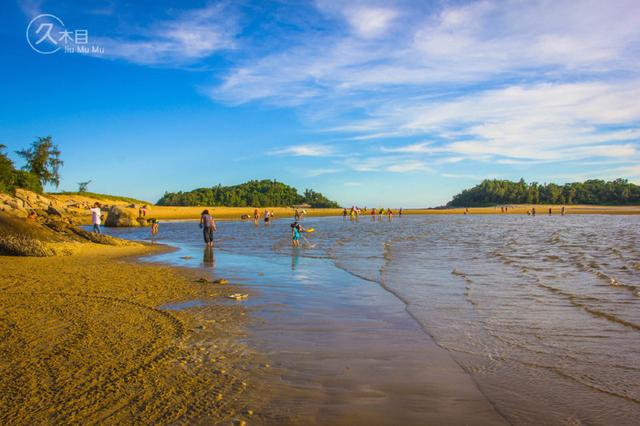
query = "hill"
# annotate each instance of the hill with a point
(594, 191)
(255, 193)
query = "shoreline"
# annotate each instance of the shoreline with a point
(307, 346)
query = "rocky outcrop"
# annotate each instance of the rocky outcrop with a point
(119, 217)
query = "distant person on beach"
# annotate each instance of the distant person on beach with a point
(400, 212)
(256, 216)
(267, 216)
(208, 226)
(296, 230)
(96, 216)
(389, 214)
(549, 210)
(296, 215)
(533, 211)
(562, 211)
(154, 229)
(344, 214)
(373, 214)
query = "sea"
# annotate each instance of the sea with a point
(542, 312)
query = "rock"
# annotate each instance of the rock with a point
(249, 412)
(203, 280)
(142, 221)
(238, 296)
(53, 211)
(119, 217)
(239, 422)
(221, 281)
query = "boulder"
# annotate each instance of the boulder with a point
(53, 211)
(142, 221)
(119, 217)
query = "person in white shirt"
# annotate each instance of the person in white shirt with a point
(95, 218)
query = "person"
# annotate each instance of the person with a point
(296, 215)
(154, 229)
(373, 214)
(256, 216)
(533, 211)
(208, 226)
(144, 210)
(267, 216)
(400, 212)
(296, 230)
(389, 214)
(562, 211)
(344, 214)
(549, 210)
(96, 216)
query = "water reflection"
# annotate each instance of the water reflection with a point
(295, 257)
(209, 259)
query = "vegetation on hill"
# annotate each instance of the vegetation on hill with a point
(97, 196)
(594, 191)
(255, 193)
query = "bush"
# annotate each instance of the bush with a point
(28, 181)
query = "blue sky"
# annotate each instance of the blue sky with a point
(393, 103)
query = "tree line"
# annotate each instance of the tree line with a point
(42, 166)
(593, 191)
(254, 193)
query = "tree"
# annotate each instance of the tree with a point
(82, 186)
(43, 160)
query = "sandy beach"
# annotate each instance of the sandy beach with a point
(84, 341)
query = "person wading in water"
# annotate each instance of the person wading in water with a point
(208, 226)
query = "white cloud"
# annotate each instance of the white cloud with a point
(369, 22)
(539, 122)
(192, 36)
(308, 150)
(391, 164)
(455, 45)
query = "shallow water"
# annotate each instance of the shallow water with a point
(543, 312)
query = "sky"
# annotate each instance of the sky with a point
(387, 103)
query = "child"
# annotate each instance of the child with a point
(154, 229)
(296, 229)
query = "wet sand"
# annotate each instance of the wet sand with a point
(83, 341)
(342, 351)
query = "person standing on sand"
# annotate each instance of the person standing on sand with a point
(208, 226)
(96, 216)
